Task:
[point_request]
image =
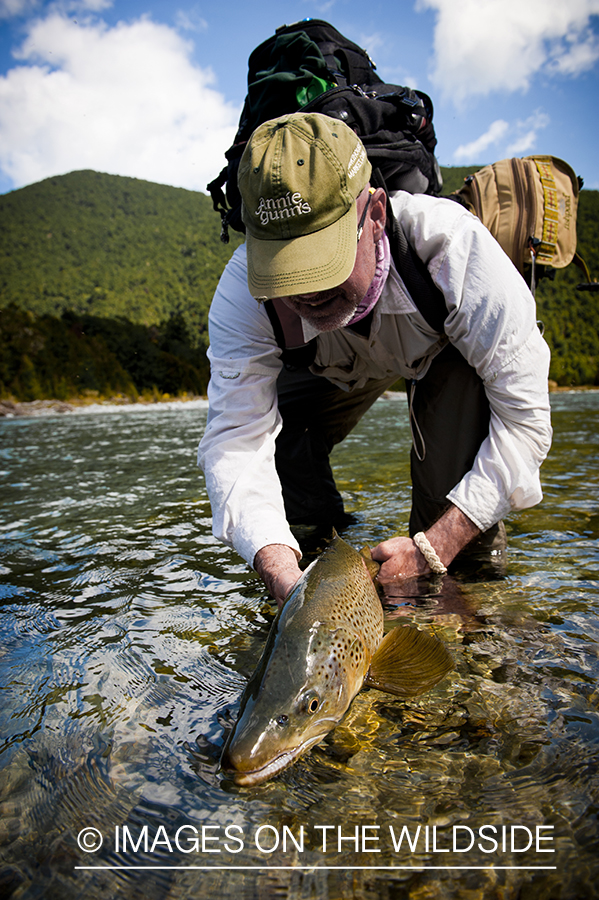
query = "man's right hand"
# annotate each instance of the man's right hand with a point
(277, 566)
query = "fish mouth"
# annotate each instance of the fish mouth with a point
(273, 766)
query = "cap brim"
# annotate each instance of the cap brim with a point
(302, 265)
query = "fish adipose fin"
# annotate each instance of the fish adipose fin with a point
(408, 662)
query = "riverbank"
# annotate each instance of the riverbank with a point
(10, 409)
(13, 408)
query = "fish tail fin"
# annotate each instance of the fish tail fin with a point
(408, 662)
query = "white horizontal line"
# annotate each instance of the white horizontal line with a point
(311, 868)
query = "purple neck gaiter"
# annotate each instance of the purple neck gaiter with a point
(383, 261)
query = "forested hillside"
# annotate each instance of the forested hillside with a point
(453, 177)
(570, 316)
(84, 356)
(111, 246)
(106, 281)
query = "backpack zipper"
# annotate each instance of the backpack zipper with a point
(414, 120)
(532, 218)
(520, 238)
(474, 186)
(531, 238)
(354, 88)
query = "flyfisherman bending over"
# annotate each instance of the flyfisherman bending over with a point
(318, 247)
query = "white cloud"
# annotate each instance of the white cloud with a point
(125, 100)
(523, 135)
(527, 133)
(493, 45)
(324, 7)
(64, 7)
(190, 20)
(580, 56)
(472, 151)
(398, 75)
(523, 144)
(12, 8)
(371, 43)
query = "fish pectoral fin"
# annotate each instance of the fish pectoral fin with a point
(408, 662)
(371, 564)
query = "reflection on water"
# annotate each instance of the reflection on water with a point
(127, 634)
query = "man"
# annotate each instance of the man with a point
(317, 247)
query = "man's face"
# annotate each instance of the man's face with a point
(335, 307)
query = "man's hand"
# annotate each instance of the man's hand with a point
(277, 566)
(400, 558)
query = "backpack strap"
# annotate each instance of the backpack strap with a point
(428, 298)
(588, 285)
(219, 202)
(300, 357)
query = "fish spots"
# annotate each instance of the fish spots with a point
(359, 609)
(314, 663)
(340, 658)
(369, 626)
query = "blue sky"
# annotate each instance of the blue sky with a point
(153, 89)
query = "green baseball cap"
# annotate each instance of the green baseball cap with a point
(299, 178)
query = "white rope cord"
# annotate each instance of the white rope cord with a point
(428, 551)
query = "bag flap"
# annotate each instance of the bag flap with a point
(519, 200)
(557, 231)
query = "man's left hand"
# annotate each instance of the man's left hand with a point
(401, 558)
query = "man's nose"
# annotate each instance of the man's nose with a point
(311, 296)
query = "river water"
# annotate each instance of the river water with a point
(127, 634)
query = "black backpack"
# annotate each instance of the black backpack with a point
(312, 67)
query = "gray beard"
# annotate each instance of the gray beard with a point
(331, 322)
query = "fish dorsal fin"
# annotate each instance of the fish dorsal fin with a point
(408, 662)
(371, 564)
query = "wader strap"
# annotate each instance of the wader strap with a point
(292, 357)
(429, 300)
(414, 427)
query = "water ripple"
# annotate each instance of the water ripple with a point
(128, 633)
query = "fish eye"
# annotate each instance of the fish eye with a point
(282, 720)
(313, 704)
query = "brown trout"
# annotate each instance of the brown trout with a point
(326, 643)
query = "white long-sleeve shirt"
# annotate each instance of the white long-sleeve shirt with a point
(491, 320)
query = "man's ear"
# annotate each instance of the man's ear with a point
(378, 213)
